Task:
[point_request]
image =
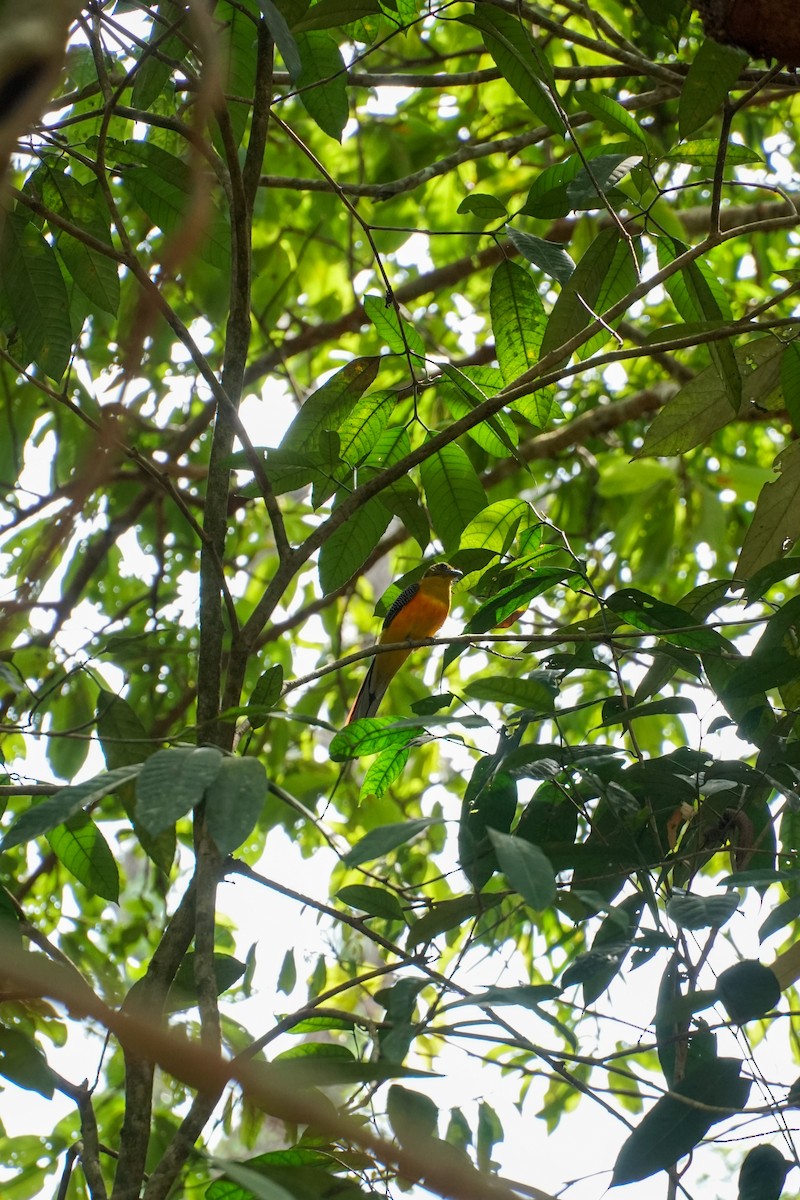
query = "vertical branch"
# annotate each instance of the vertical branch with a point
(212, 626)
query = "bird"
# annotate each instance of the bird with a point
(418, 612)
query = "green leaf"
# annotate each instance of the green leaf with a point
(779, 917)
(246, 1183)
(266, 693)
(536, 691)
(282, 36)
(326, 14)
(287, 976)
(748, 990)
(496, 433)
(446, 915)
(526, 868)
(712, 74)
(763, 1174)
(654, 616)
(678, 1122)
(34, 291)
(705, 153)
(548, 256)
(412, 1116)
(490, 1132)
(402, 497)
(234, 800)
(617, 712)
(162, 185)
(487, 208)
(699, 295)
(23, 1063)
(790, 382)
(399, 1029)
(495, 526)
(322, 82)
(347, 549)
(518, 596)
(595, 180)
(399, 336)
(523, 995)
(372, 735)
(125, 742)
(83, 850)
(239, 56)
(703, 912)
(490, 802)
(58, 808)
(375, 901)
(702, 407)
(518, 319)
(96, 274)
(329, 406)
(776, 522)
(172, 782)
(610, 113)
(568, 185)
(183, 993)
(519, 60)
(384, 839)
(167, 52)
(453, 491)
(381, 773)
(577, 304)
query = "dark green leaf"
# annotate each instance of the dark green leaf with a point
(385, 838)
(547, 256)
(703, 912)
(374, 901)
(519, 60)
(34, 291)
(413, 1116)
(172, 782)
(526, 868)
(453, 491)
(763, 1174)
(23, 1063)
(712, 74)
(59, 807)
(748, 990)
(183, 993)
(487, 208)
(234, 800)
(322, 81)
(678, 1122)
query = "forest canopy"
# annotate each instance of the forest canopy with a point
(298, 299)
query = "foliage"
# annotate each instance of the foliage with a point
(294, 296)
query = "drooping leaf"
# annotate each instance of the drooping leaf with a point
(713, 72)
(34, 292)
(678, 1122)
(322, 81)
(526, 868)
(519, 60)
(171, 782)
(83, 850)
(453, 491)
(776, 522)
(518, 319)
(234, 800)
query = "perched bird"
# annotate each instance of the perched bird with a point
(418, 612)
